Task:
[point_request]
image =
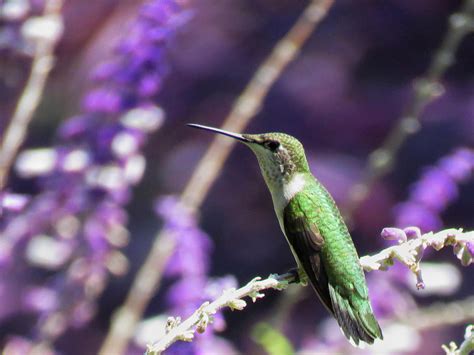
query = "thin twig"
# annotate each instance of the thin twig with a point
(426, 89)
(15, 133)
(411, 251)
(230, 298)
(148, 278)
(408, 253)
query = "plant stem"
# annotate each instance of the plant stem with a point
(41, 66)
(408, 253)
(426, 89)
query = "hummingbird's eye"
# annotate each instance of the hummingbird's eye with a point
(272, 145)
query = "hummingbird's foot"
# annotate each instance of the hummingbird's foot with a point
(299, 276)
(296, 276)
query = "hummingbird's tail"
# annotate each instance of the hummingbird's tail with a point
(355, 317)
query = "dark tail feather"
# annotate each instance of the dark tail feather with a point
(356, 321)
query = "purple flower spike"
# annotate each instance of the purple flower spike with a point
(436, 189)
(459, 166)
(190, 263)
(102, 101)
(186, 294)
(149, 85)
(386, 296)
(413, 214)
(74, 225)
(75, 127)
(105, 71)
(191, 256)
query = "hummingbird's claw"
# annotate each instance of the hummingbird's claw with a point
(299, 276)
(296, 275)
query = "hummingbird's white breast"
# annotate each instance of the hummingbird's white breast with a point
(277, 170)
(283, 193)
(281, 197)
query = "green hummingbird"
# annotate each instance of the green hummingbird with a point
(317, 235)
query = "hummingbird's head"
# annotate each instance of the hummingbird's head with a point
(279, 155)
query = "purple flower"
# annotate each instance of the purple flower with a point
(87, 178)
(41, 299)
(470, 248)
(191, 257)
(190, 263)
(436, 189)
(400, 235)
(386, 296)
(459, 165)
(102, 101)
(394, 234)
(415, 214)
(412, 232)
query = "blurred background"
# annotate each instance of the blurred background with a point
(341, 97)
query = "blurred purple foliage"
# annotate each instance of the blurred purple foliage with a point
(73, 227)
(70, 208)
(189, 266)
(435, 190)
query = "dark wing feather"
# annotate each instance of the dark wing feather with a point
(307, 241)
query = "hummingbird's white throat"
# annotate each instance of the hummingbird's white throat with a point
(278, 173)
(276, 166)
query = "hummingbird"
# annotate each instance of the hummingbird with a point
(315, 231)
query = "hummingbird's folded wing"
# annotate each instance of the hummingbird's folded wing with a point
(347, 301)
(306, 242)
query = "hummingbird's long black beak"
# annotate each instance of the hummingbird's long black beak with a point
(237, 136)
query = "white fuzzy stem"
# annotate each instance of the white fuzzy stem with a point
(467, 346)
(231, 298)
(408, 253)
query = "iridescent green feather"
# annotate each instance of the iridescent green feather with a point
(323, 246)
